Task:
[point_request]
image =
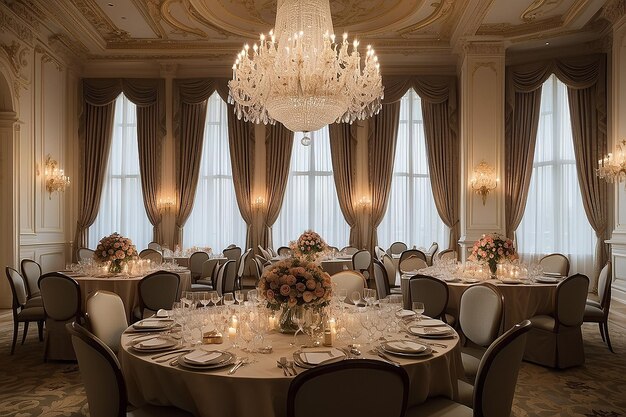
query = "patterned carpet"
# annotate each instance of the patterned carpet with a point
(30, 388)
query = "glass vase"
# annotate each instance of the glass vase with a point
(115, 267)
(285, 321)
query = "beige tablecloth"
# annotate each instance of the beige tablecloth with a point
(260, 389)
(332, 266)
(125, 287)
(521, 301)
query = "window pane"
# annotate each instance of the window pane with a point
(215, 220)
(121, 206)
(311, 198)
(554, 219)
(411, 215)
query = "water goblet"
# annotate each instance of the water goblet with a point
(204, 298)
(369, 295)
(253, 296)
(418, 308)
(239, 297)
(229, 299)
(298, 319)
(215, 298)
(355, 297)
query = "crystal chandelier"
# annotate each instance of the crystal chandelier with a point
(300, 77)
(612, 168)
(56, 180)
(484, 180)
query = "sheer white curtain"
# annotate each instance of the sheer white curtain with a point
(555, 220)
(311, 198)
(215, 220)
(411, 215)
(121, 206)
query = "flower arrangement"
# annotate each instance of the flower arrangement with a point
(295, 282)
(493, 249)
(309, 245)
(115, 249)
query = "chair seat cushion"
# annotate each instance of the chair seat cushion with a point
(201, 287)
(156, 411)
(34, 302)
(543, 322)
(439, 407)
(593, 313)
(31, 314)
(471, 361)
(593, 303)
(205, 282)
(249, 282)
(395, 290)
(450, 319)
(466, 393)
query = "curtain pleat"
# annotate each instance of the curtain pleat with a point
(278, 148)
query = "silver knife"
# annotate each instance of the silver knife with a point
(237, 366)
(173, 352)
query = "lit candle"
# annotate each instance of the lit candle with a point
(234, 322)
(232, 332)
(332, 324)
(272, 322)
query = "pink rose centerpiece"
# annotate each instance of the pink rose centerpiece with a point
(115, 249)
(310, 246)
(294, 283)
(493, 249)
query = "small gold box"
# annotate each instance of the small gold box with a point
(212, 338)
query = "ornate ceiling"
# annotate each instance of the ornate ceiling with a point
(407, 34)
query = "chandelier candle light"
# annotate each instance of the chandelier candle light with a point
(484, 180)
(612, 168)
(56, 180)
(301, 77)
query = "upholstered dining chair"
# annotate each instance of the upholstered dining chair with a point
(361, 262)
(155, 246)
(152, 255)
(555, 263)
(342, 385)
(556, 340)
(392, 273)
(598, 312)
(432, 251)
(226, 278)
(156, 291)
(494, 389)
(433, 292)
(447, 254)
(350, 280)
(84, 254)
(23, 311)
(481, 313)
(62, 304)
(107, 317)
(411, 263)
(349, 250)
(284, 251)
(379, 252)
(233, 253)
(241, 268)
(208, 274)
(264, 253)
(380, 279)
(196, 261)
(397, 248)
(103, 379)
(271, 251)
(31, 271)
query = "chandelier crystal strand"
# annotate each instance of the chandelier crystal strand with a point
(301, 77)
(612, 168)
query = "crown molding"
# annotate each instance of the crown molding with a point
(9, 21)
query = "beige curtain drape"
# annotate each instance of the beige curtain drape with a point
(278, 147)
(96, 126)
(190, 103)
(585, 78)
(343, 155)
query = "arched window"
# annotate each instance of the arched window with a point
(121, 206)
(311, 198)
(411, 215)
(554, 219)
(215, 219)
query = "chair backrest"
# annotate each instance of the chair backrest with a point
(350, 280)
(155, 246)
(349, 250)
(18, 287)
(232, 253)
(361, 260)
(342, 386)
(447, 254)
(84, 254)
(31, 271)
(379, 252)
(434, 247)
(158, 290)
(481, 312)
(604, 286)
(258, 267)
(390, 268)
(60, 295)
(381, 280)
(107, 317)
(271, 251)
(208, 269)
(497, 373)
(196, 261)
(100, 372)
(153, 255)
(242, 263)
(432, 292)
(334, 249)
(555, 263)
(264, 253)
(397, 248)
(285, 251)
(412, 263)
(226, 276)
(412, 253)
(571, 297)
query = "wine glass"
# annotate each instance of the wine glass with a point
(369, 294)
(229, 299)
(342, 294)
(353, 327)
(253, 296)
(355, 297)
(186, 298)
(418, 308)
(298, 319)
(313, 322)
(239, 297)
(215, 298)
(204, 298)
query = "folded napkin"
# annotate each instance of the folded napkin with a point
(151, 323)
(162, 313)
(405, 346)
(202, 357)
(429, 323)
(439, 330)
(154, 342)
(317, 357)
(405, 313)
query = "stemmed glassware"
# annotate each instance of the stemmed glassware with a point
(353, 327)
(418, 308)
(355, 297)
(215, 298)
(239, 297)
(369, 295)
(204, 298)
(253, 296)
(299, 320)
(313, 323)
(228, 299)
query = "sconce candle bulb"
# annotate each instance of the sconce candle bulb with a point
(484, 180)
(56, 180)
(612, 168)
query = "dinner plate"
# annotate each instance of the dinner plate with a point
(547, 280)
(153, 324)
(511, 281)
(154, 344)
(221, 360)
(405, 313)
(471, 280)
(312, 358)
(439, 332)
(406, 348)
(428, 322)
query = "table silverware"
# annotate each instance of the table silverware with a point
(293, 369)
(172, 352)
(235, 367)
(385, 357)
(282, 363)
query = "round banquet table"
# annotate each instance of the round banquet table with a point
(124, 286)
(332, 266)
(521, 301)
(260, 388)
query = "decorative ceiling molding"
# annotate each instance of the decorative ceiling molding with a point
(508, 30)
(76, 48)
(28, 12)
(166, 13)
(151, 13)
(22, 31)
(442, 9)
(614, 10)
(539, 8)
(47, 57)
(99, 20)
(16, 55)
